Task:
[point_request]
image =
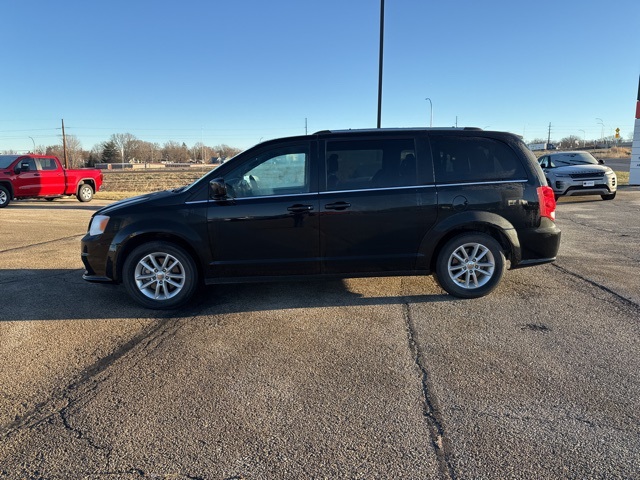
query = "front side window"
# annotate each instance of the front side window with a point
(283, 171)
(363, 164)
(459, 159)
(28, 165)
(545, 162)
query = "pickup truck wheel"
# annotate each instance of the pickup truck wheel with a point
(470, 265)
(5, 197)
(160, 275)
(85, 193)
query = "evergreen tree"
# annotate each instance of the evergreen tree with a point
(110, 153)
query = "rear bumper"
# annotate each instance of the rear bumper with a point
(538, 245)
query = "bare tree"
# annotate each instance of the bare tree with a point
(125, 143)
(225, 151)
(572, 141)
(175, 152)
(75, 156)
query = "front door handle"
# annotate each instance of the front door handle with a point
(338, 206)
(300, 208)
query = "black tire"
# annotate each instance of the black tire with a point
(50, 199)
(611, 196)
(154, 287)
(5, 197)
(85, 192)
(479, 275)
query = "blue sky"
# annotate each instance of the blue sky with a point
(239, 71)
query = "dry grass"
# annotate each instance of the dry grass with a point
(115, 196)
(623, 178)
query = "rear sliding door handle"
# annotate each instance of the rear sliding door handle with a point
(338, 206)
(300, 208)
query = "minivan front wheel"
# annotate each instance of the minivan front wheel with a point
(470, 265)
(160, 275)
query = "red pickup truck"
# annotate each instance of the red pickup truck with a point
(42, 176)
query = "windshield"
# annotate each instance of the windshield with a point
(6, 160)
(582, 158)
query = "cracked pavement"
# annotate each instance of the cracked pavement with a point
(362, 378)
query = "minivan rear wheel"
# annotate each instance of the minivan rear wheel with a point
(470, 265)
(160, 275)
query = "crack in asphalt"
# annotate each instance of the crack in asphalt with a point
(626, 301)
(88, 381)
(439, 441)
(43, 411)
(26, 247)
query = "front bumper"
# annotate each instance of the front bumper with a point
(97, 260)
(570, 187)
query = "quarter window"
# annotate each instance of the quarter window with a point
(474, 159)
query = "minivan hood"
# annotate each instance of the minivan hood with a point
(127, 202)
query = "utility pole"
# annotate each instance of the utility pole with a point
(64, 145)
(380, 62)
(549, 137)
(305, 126)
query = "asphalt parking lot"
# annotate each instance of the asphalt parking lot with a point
(362, 378)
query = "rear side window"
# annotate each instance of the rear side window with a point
(364, 164)
(48, 164)
(474, 159)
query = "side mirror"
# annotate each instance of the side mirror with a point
(601, 162)
(22, 167)
(217, 189)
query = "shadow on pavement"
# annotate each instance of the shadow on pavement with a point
(64, 295)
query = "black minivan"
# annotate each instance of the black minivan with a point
(455, 202)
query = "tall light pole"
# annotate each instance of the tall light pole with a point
(584, 138)
(600, 122)
(431, 108)
(380, 62)
(34, 144)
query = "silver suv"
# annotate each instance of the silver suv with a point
(578, 173)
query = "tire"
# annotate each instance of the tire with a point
(50, 199)
(5, 197)
(85, 192)
(153, 286)
(611, 196)
(470, 265)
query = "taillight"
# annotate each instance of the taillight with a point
(547, 202)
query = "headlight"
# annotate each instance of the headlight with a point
(98, 224)
(562, 175)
